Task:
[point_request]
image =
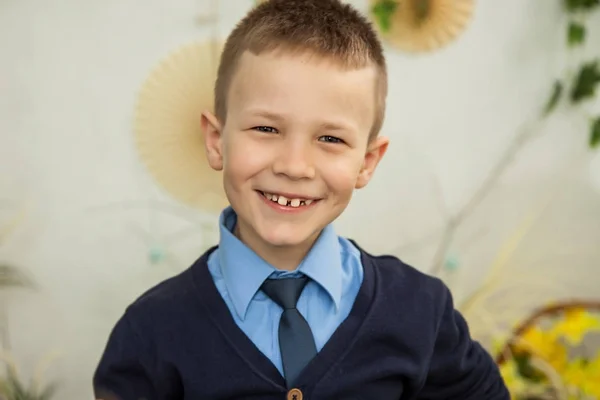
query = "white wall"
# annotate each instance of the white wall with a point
(69, 72)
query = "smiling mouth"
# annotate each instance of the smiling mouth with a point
(288, 202)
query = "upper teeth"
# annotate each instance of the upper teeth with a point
(284, 201)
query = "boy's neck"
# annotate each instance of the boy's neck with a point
(284, 258)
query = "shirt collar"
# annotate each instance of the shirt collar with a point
(244, 271)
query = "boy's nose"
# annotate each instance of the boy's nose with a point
(295, 162)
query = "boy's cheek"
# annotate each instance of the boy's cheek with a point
(343, 170)
(246, 160)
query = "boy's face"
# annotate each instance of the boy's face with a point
(294, 146)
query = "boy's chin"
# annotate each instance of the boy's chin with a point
(290, 241)
(291, 237)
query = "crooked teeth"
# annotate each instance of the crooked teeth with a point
(284, 201)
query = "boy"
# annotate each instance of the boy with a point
(283, 308)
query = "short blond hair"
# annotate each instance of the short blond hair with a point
(326, 28)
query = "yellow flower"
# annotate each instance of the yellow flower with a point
(594, 365)
(535, 340)
(575, 325)
(584, 375)
(575, 373)
(543, 344)
(512, 379)
(497, 345)
(592, 386)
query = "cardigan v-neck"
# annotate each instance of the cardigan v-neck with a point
(338, 344)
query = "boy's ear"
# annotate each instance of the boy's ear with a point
(375, 151)
(211, 130)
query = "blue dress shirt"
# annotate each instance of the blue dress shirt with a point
(336, 273)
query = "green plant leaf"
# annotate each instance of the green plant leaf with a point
(585, 82)
(554, 97)
(581, 5)
(576, 34)
(11, 388)
(595, 133)
(48, 392)
(12, 277)
(383, 11)
(526, 370)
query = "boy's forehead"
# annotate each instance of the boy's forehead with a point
(282, 68)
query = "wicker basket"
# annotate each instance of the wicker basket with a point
(540, 315)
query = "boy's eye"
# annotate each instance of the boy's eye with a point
(330, 139)
(266, 129)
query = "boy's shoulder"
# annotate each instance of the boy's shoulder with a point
(162, 299)
(170, 297)
(395, 271)
(404, 284)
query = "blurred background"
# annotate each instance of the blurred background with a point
(491, 181)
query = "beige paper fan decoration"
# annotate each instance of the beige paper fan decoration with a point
(167, 125)
(421, 25)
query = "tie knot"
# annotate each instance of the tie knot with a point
(285, 292)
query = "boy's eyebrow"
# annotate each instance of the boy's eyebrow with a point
(332, 126)
(266, 114)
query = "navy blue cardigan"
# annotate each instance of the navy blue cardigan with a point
(403, 340)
